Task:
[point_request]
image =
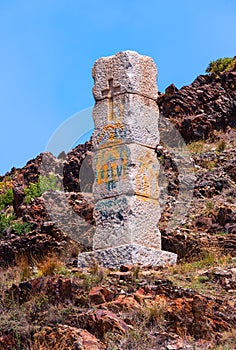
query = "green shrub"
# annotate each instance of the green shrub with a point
(32, 191)
(44, 183)
(5, 221)
(48, 183)
(17, 227)
(20, 228)
(6, 198)
(203, 279)
(220, 65)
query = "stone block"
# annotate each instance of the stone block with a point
(130, 254)
(127, 220)
(127, 118)
(125, 72)
(125, 169)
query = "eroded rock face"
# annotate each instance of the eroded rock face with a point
(66, 170)
(63, 337)
(119, 309)
(56, 217)
(32, 245)
(228, 243)
(206, 105)
(75, 178)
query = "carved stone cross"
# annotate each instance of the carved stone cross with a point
(109, 92)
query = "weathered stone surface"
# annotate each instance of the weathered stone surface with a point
(127, 254)
(124, 119)
(100, 322)
(100, 295)
(76, 165)
(127, 220)
(125, 72)
(126, 169)
(24, 291)
(66, 337)
(31, 244)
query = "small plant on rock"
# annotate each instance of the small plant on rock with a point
(8, 221)
(20, 228)
(220, 65)
(5, 222)
(44, 183)
(6, 198)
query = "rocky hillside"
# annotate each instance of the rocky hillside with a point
(48, 303)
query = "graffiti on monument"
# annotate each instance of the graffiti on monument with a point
(112, 209)
(114, 132)
(111, 165)
(147, 176)
(111, 134)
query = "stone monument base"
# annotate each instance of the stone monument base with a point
(129, 254)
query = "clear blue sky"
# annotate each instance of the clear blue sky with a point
(49, 46)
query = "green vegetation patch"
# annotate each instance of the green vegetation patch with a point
(8, 221)
(6, 198)
(44, 183)
(221, 65)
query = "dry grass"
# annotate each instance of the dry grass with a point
(145, 323)
(229, 341)
(220, 144)
(189, 274)
(153, 313)
(209, 259)
(49, 266)
(211, 164)
(15, 274)
(197, 147)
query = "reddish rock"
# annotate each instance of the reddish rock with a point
(7, 341)
(63, 337)
(100, 295)
(206, 105)
(99, 322)
(225, 277)
(32, 244)
(58, 289)
(123, 302)
(78, 173)
(171, 90)
(126, 268)
(201, 326)
(141, 295)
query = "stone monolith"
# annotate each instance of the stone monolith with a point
(125, 165)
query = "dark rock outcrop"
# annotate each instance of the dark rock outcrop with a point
(206, 105)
